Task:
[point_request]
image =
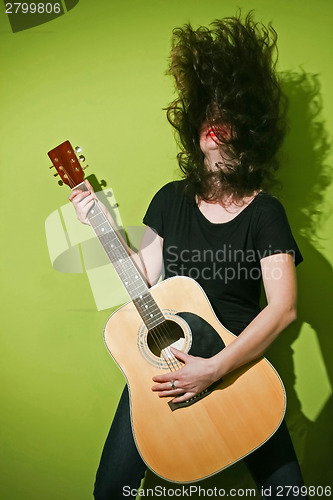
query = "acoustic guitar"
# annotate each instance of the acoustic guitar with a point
(187, 441)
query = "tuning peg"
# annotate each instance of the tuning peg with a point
(60, 183)
(52, 166)
(78, 149)
(55, 175)
(82, 158)
(86, 166)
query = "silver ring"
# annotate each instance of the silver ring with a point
(172, 382)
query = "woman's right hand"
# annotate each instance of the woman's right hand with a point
(83, 201)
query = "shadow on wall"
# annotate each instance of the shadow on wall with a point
(303, 177)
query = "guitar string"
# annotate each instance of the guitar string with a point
(159, 333)
(163, 328)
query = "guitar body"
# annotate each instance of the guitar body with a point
(192, 442)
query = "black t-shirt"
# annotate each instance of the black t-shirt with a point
(223, 258)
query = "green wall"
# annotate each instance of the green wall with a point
(96, 76)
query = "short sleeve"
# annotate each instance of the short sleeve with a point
(155, 216)
(273, 234)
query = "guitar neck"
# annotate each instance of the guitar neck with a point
(128, 273)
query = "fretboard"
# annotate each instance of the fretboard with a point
(124, 266)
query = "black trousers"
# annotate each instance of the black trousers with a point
(273, 466)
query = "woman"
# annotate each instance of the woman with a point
(219, 226)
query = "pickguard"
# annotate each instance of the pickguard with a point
(206, 342)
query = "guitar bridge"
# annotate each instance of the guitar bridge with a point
(191, 401)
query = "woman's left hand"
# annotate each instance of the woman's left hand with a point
(192, 378)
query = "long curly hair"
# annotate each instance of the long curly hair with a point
(226, 76)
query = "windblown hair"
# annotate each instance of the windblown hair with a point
(226, 76)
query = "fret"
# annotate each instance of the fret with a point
(128, 273)
(149, 311)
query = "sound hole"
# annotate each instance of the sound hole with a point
(164, 335)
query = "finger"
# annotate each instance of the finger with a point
(83, 199)
(89, 186)
(171, 394)
(182, 356)
(164, 387)
(83, 209)
(74, 194)
(78, 195)
(167, 377)
(88, 206)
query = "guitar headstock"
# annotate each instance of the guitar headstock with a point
(67, 164)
